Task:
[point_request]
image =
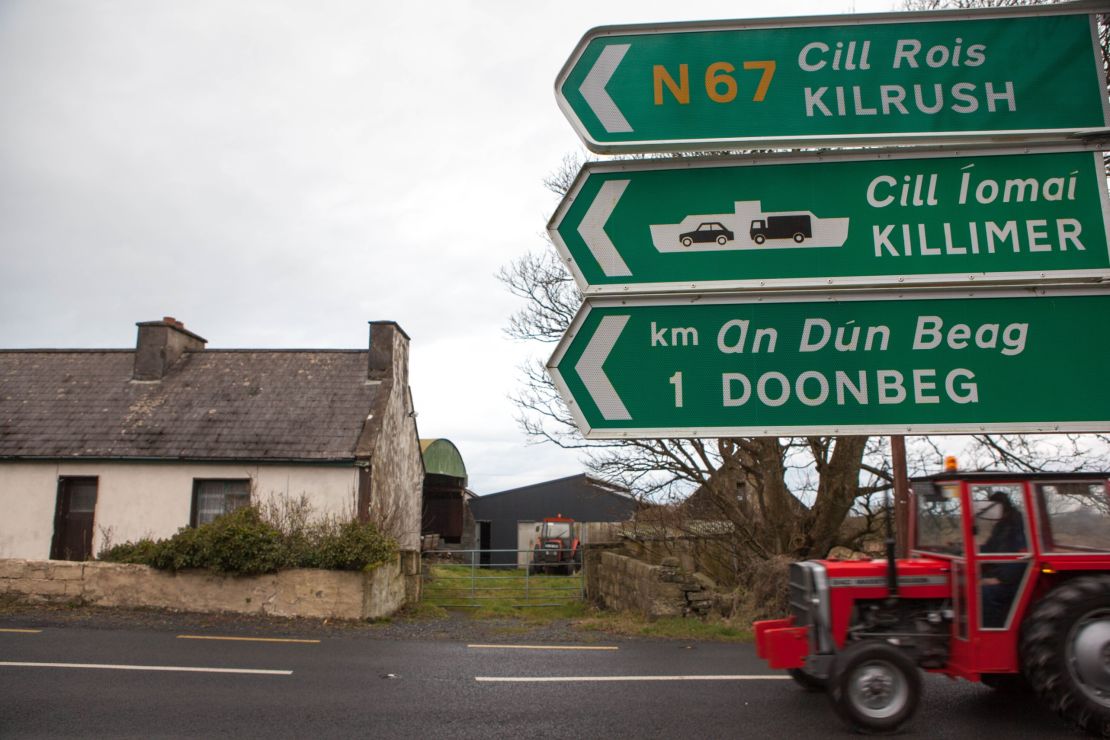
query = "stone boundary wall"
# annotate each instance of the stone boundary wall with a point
(623, 583)
(330, 594)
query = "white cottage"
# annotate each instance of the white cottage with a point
(124, 444)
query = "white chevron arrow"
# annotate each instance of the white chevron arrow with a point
(592, 229)
(593, 89)
(593, 376)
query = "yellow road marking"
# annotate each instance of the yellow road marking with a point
(247, 639)
(546, 647)
(27, 632)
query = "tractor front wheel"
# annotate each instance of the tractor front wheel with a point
(1065, 649)
(874, 686)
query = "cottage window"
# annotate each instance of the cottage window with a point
(214, 497)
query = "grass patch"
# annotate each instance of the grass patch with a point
(421, 611)
(671, 628)
(511, 594)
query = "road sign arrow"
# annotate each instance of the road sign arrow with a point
(593, 89)
(592, 229)
(589, 369)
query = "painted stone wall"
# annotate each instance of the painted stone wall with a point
(290, 593)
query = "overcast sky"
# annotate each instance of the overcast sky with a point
(276, 174)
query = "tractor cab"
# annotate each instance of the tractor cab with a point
(1007, 582)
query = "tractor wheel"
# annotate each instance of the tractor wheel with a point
(874, 686)
(1065, 649)
(807, 680)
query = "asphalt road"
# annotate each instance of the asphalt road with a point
(349, 685)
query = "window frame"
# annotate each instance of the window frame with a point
(1045, 535)
(198, 482)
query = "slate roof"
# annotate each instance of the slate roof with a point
(259, 405)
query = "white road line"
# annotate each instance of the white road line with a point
(249, 639)
(170, 668)
(544, 647)
(589, 679)
(24, 632)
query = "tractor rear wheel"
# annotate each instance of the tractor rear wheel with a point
(874, 686)
(807, 680)
(1065, 649)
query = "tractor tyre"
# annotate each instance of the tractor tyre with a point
(807, 680)
(874, 687)
(1065, 651)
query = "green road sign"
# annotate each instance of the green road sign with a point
(1025, 73)
(1012, 360)
(813, 220)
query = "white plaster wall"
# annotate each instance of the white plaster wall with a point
(136, 500)
(28, 492)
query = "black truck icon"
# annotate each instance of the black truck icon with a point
(796, 226)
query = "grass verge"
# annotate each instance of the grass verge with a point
(534, 600)
(670, 628)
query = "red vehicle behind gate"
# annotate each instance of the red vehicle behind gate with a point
(557, 547)
(1008, 583)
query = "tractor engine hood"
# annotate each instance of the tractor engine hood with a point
(913, 574)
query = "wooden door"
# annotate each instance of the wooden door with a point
(73, 519)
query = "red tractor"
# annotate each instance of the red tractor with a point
(1007, 583)
(556, 549)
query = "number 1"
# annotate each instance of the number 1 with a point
(676, 381)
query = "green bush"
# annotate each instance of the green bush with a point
(244, 543)
(349, 546)
(241, 542)
(130, 552)
(186, 549)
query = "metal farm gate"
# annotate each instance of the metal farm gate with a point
(466, 579)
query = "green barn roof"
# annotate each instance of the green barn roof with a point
(441, 457)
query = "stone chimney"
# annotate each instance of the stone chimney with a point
(389, 352)
(160, 345)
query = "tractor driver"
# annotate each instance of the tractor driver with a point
(1000, 581)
